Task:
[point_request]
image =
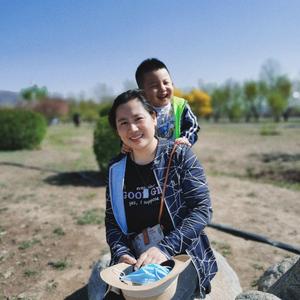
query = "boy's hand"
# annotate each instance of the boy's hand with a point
(125, 149)
(183, 140)
(151, 256)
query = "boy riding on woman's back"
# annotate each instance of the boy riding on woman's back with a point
(175, 119)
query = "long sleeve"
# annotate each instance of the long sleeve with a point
(189, 125)
(196, 203)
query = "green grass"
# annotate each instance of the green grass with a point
(30, 273)
(269, 129)
(58, 231)
(92, 216)
(60, 264)
(77, 142)
(28, 244)
(61, 135)
(66, 134)
(252, 195)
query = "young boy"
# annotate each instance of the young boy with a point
(175, 119)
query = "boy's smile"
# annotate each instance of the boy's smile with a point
(158, 87)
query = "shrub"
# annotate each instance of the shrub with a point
(104, 109)
(106, 143)
(21, 129)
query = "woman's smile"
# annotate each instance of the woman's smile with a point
(135, 125)
(136, 138)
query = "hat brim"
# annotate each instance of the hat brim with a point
(111, 276)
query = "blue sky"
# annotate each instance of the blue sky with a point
(73, 47)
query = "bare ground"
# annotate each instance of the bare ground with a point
(50, 235)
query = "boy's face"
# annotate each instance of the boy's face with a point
(158, 87)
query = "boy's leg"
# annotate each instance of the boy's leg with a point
(98, 289)
(187, 284)
(96, 286)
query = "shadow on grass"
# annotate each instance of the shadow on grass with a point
(18, 165)
(80, 294)
(83, 178)
(80, 178)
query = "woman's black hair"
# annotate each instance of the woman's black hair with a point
(124, 98)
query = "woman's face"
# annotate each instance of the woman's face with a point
(135, 125)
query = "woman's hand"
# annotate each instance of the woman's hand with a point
(151, 256)
(127, 259)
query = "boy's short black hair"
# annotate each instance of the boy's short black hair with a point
(148, 65)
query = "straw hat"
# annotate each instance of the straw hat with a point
(163, 289)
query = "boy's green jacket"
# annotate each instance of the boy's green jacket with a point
(186, 124)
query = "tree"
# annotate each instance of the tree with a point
(283, 88)
(87, 109)
(219, 97)
(52, 108)
(34, 93)
(235, 103)
(278, 89)
(251, 91)
(277, 105)
(200, 103)
(178, 92)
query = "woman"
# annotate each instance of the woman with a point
(135, 186)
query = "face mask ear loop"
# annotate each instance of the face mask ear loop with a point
(118, 272)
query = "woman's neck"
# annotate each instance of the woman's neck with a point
(145, 155)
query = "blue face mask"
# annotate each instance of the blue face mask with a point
(147, 274)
